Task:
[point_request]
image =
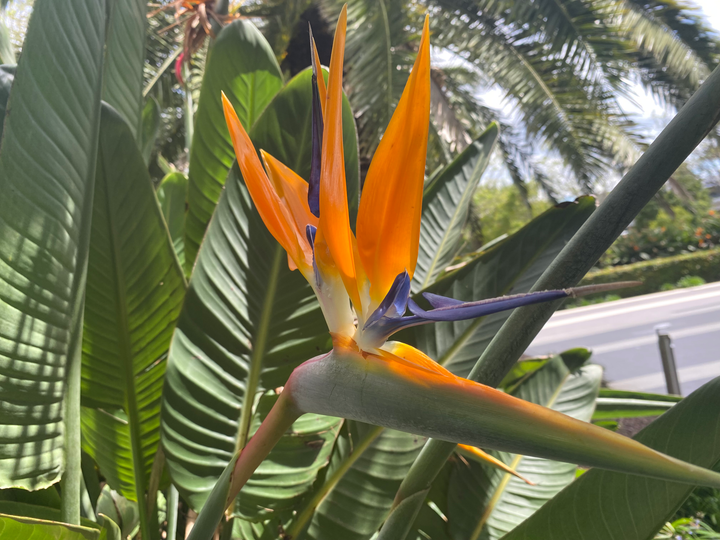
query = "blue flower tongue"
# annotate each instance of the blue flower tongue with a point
(395, 301)
(448, 309)
(437, 301)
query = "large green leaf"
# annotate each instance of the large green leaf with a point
(172, 194)
(445, 208)
(124, 60)
(487, 503)
(247, 321)
(134, 296)
(609, 506)
(354, 510)
(509, 267)
(26, 528)
(241, 64)
(47, 167)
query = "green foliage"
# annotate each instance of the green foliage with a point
(654, 274)
(677, 220)
(499, 210)
(683, 283)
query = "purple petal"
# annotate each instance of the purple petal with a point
(395, 301)
(473, 310)
(317, 135)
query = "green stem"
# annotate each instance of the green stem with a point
(173, 499)
(72, 477)
(258, 352)
(689, 127)
(240, 469)
(276, 423)
(299, 524)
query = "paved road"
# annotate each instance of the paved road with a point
(623, 339)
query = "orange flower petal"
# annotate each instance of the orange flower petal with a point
(273, 211)
(334, 227)
(292, 189)
(388, 224)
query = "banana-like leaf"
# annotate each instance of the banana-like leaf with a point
(612, 404)
(124, 60)
(613, 506)
(290, 469)
(149, 128)
(247, 321)
(47, 169)
(134, 296)
(25, 528)
(515, 263)
(487, 503)
(172, 194)
(509, 267)
(241, 64)
(445, 208)
(356, 507)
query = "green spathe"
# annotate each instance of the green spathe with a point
(372, 390)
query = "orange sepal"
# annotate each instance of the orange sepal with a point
(483, 456)
(334, 227)
(408, 356)
(273, 211)
(388, 224)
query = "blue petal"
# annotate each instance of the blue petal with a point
(395, 301)
(472, 310)
(310, 231)
(317, 135)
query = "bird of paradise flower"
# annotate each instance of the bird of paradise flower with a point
(363, 286)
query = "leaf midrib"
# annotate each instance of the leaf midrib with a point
(258, 351)
(126, 356)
